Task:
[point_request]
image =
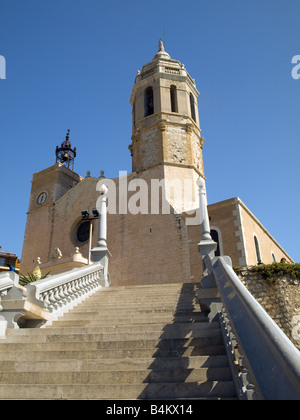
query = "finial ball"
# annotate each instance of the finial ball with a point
(103, 189)
(200, 182)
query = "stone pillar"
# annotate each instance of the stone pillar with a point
(102, 227)
(208, 294)
(206, 246)
(101, 253)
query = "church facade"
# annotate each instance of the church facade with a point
(153, 212)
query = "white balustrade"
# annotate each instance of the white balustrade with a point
(59, 293)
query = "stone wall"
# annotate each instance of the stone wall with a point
(280, 299)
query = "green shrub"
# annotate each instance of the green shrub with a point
(270, 272)
(32, 277)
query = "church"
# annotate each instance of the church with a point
(153, 213)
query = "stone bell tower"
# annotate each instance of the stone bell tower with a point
(165, 124)
(48, 187)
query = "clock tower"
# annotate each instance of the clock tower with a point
(48, 186)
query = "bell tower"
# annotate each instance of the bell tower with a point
(48, 187)
(165, 121)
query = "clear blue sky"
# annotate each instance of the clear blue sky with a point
(71, 64)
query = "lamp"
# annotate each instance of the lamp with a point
(85, 214)
(95, 213)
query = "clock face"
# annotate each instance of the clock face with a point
(42, 198)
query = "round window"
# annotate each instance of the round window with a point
(83, 232)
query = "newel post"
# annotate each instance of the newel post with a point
(206, 245)
(208, 294)
(101, 253)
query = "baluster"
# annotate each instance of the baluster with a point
(89, 283)
(57, 298)
(45, 299)
(77, 287)
(95, 280)
(66, 293)
(98, 277)
(62, 296)
(71, 291)
(52, 300)
(83, 285)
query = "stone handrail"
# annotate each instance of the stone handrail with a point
(59, 293)
(8, 281)
(39, 303)
(273, 360)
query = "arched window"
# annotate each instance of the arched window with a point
(273, 257)
(192, 101)
(257, 250)
(174, 104)
(215, 237)
(148, 101)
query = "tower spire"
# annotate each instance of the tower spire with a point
(161, 53)
(161, 47)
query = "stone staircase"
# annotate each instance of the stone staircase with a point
(133, 342)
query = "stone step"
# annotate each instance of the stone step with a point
(117, 377)
(111, 323)
(62, 330)
(107, 354)
(88, 339)
(150, 286)
(174, 298)
(208, 389)
(106, 319)
(159, 301)
(175, 295)
(167, 307)
(131, 307)
(101, 299)
(142, 294)
(73, 365)
(155, 335)
(180, 328)
(115, 293)
(155, 291)
(178, 295)
(173, 347)
(139, 310)
(186, 287)
(170, 332)
(129, 342)
(114, 326)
